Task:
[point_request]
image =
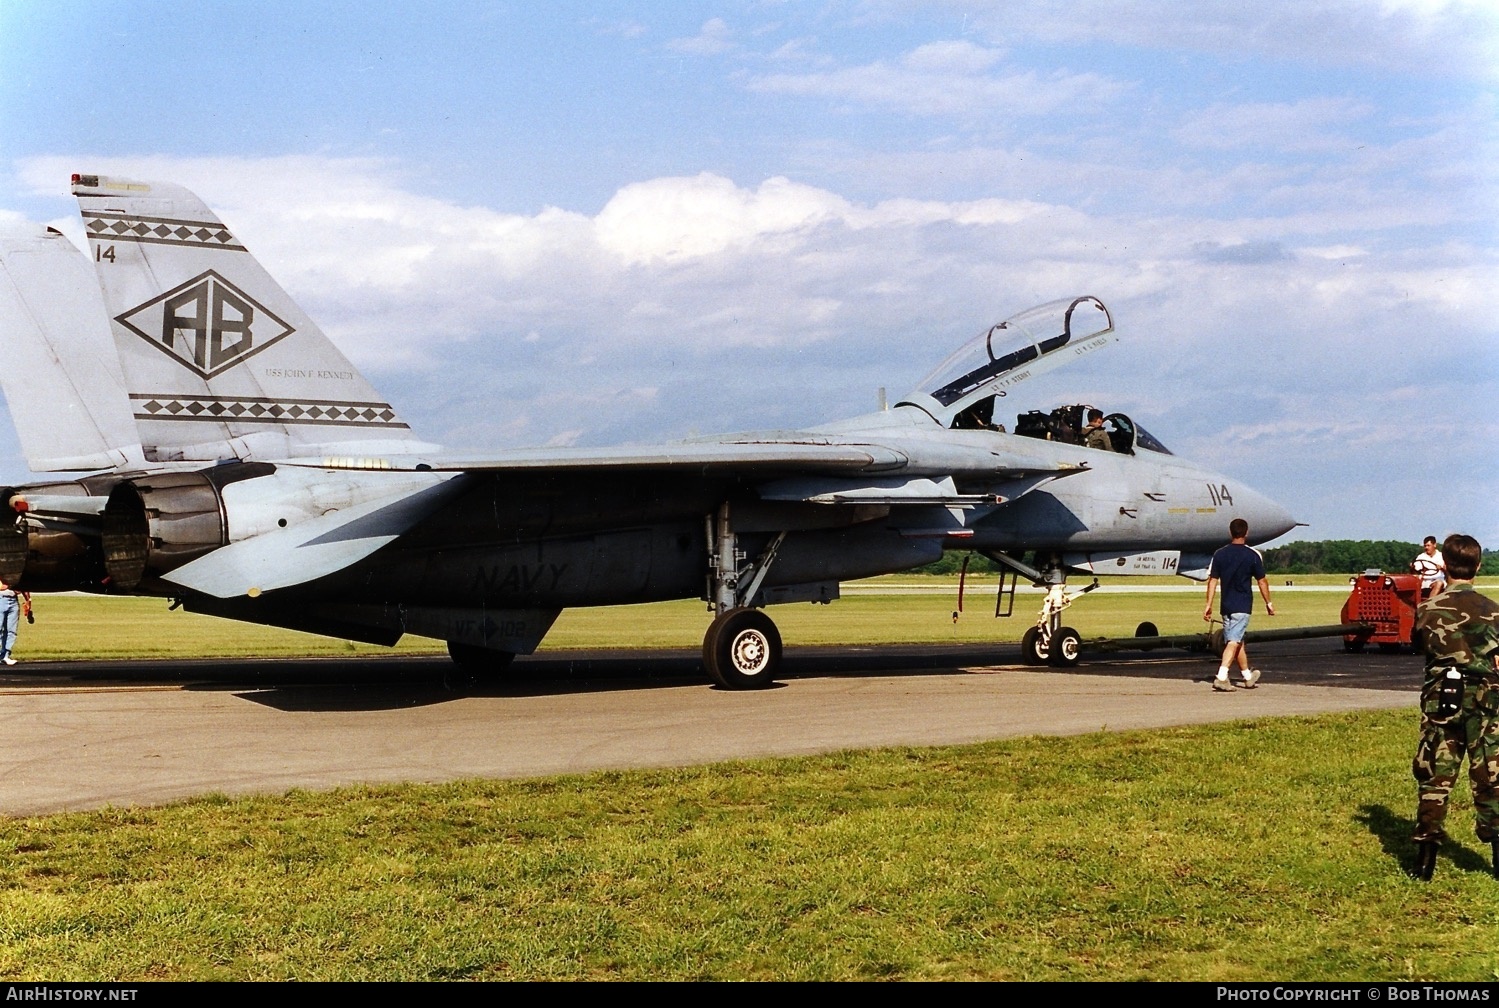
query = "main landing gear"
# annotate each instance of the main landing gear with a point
(1049, 642)
(742, 648)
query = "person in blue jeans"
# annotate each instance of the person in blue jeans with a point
(1237, 567)
(13, 605)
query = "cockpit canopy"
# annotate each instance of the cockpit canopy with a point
(1032, 342)
(962, 392)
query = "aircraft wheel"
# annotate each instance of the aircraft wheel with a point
(1066, 647)
(1032, 650)
(1147, 629)
(742, 649)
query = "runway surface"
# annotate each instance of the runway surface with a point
(87, 735)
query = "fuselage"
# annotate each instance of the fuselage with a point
(563, 539)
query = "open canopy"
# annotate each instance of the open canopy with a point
(1032, 342)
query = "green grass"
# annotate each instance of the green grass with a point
(1268, 849)
(79, 626)
(1263, 850)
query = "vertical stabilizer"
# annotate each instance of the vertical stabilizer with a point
(218, 360)
(58, 365)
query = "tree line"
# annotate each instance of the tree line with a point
(1352, 556)
(1329, 556)
(1341, 556)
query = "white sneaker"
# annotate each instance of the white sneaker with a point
(1221, 685)
(1251, 678)
(9, 660)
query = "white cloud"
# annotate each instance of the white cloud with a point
(946, 78)
(1312, 124)
(950, 57)
(670, 219)
(713, 37)
(623, 29)
(1335, 252)
(1455, 37)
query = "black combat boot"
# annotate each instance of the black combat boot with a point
(1495, 845)
(1426, 859)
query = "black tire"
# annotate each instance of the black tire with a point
(1032, 650)
(742, 650)
(1353, 646)
(1066, 647)
(1147, 629)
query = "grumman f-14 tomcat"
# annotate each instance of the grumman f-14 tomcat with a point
(229, 458)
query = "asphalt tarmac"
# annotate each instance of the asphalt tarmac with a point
(89, 735)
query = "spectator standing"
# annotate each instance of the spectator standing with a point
(14, 604)
(1459, 629)
(1238, 567)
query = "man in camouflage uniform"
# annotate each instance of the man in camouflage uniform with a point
(1459, 629)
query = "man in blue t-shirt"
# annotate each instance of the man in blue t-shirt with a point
(1237, 567)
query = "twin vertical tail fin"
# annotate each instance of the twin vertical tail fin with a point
(58, 367)
(218, 361)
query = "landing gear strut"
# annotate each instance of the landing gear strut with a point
(742, 648)
(1049, 642)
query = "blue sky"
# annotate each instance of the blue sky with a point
(595, 223)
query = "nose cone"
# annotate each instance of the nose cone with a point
(1266, 518)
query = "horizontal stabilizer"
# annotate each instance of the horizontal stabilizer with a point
(308, 550)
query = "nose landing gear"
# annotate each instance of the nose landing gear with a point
(1049, 642)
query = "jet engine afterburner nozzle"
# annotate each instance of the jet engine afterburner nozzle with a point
(153, 524)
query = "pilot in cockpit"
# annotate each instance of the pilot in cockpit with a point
(1094, 434)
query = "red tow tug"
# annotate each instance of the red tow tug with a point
(1385, 604)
